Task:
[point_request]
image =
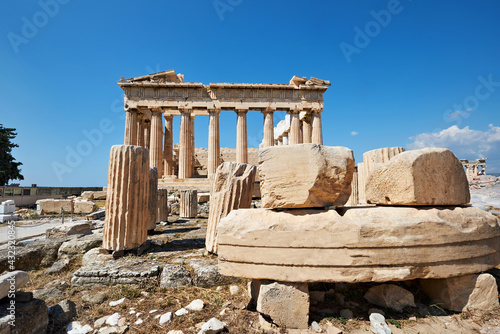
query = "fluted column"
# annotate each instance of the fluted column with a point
(153, 198)
(130, 127)
(147, 134)
(184, 140)
(192, 151)
(241, 136)
(162, 215)
(268, 128)
(140, 132)
(317, 133)
(168, 161)
(213, 143)
(156, 143)
(306, 131)
(125, 225)
(188, 205)
(294, 128)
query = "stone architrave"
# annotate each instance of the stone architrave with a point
(358, 244)
(429, 176)
(162, 205)
(286, 304)
(153, 198)
(232, 189)
(125, 225)
(188, 204)
(305, 175)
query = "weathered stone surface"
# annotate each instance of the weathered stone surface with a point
(463, 293)
(374, 158)
(203, 197)
(126, 219)
(16, 279)
(232, 189)
(390, 295)
(30, 317)
(90, 195)
(57, 266)
(71, 228)
(174, 276)
(287, 304)
(153, 198)
(84, 206)
(162, 205)
(121, 271)
(188, 204)
(304, 176)
(96, 215)
(358, 245)
(61, 314)
(41, 253)
(206, 273)
(47, 206)
(429, 176)
(72, 248)
(96, 254)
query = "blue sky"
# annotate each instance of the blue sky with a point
(404, 73)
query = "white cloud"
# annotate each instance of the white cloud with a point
(466, 143)
(353, 133)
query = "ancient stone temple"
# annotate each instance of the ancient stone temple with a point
(150, 99)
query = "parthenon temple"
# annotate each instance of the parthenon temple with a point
(166, 94)
(472, 167)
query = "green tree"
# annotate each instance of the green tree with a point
(9, 168)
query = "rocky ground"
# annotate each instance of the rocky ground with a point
(149, 293)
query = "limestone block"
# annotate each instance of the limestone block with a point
(287, 304)
(153, 198)
(358, 244)
(463, 293)
(304, 175)
(232, 189)
(162, 205)
(7, 207)
(100, 195)
(188, 204)
(84, 206)
(125, 225)
(429, 176)
(48, 206)
(374, 158)
(89, 195)
(17, 279)
(390, 295)
(81, 227)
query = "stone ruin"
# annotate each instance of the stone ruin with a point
(417, 226)
(7, 209)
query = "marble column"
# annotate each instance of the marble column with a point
(306, 131)
(168, 161)
(156, 142)
(130, 127)
(140, 132)
(147, 134)
(184, 140)
(294, 128)
(268, 128)
(213, 143)
(317, 133)
(284, 139)
(192, 151)
(241, 137)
